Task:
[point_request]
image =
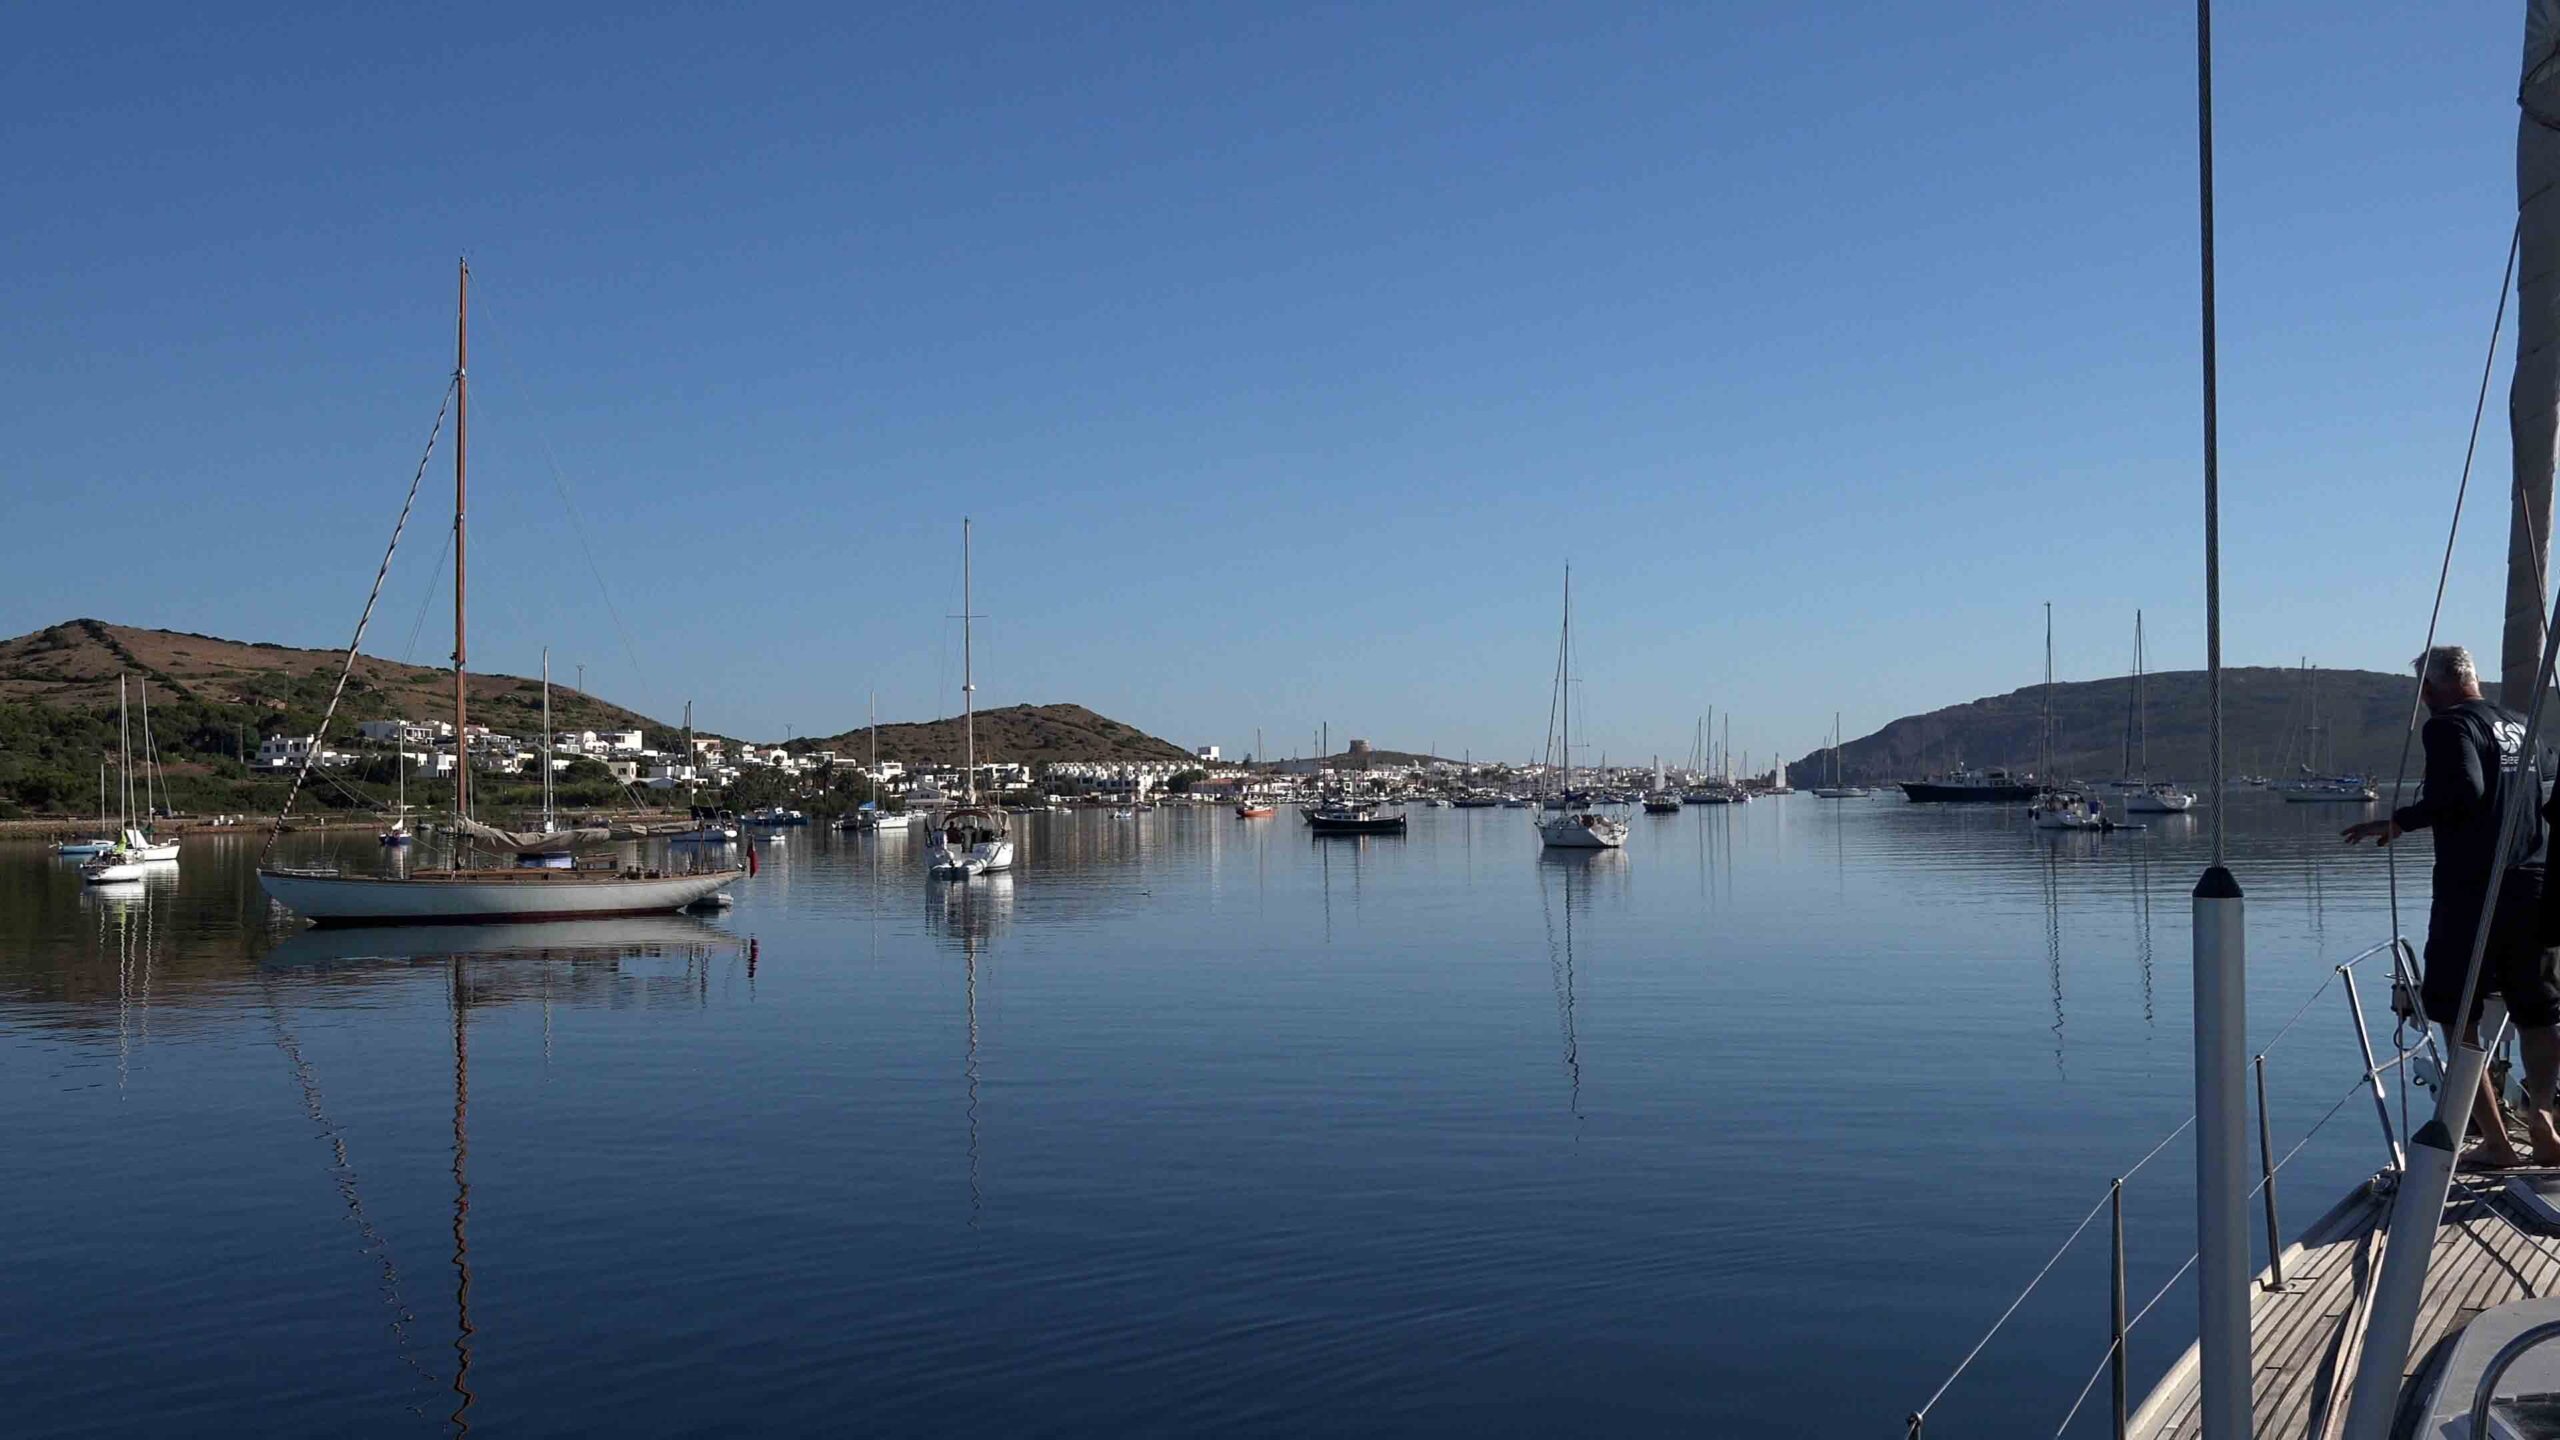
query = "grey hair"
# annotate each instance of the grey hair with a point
(2448, 663)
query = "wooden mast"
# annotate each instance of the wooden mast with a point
(461, 407)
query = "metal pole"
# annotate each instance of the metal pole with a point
(2222, 1129)
(2372, 1076)
(2115, 1198)
(2267, 1184)
(2220, 937)
(2392, 1313)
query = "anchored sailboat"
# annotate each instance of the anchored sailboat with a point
(2149, 796)
(973, 839)
(458, 894)
(1573, 828)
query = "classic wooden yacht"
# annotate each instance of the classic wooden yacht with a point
(461, 893)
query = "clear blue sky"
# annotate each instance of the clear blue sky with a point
(1283, 356)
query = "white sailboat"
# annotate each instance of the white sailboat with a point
(1836, 790)
(122, 863)
(139, 842)
(398, 833)
(2149, 796)
(872, 816)
(1573, 828)
(717, 827)
(460, 894)
(2056, 808)
(2316, 782)
(974, 839)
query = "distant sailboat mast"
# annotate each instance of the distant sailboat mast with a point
(461, 447)
(968, 677)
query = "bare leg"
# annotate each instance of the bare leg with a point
(2540, 1048)
(2497, 1149)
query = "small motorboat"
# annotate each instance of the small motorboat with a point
(1662, 802)
(1256, 810)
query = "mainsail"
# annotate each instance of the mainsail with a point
(2533, 401)
(531, 842)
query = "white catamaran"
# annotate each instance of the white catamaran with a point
(460, 894)
(973, 839)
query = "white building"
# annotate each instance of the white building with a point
(1208, 753)
(287, 752)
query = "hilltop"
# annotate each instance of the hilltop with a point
(2265, 710)
(1028, 734)
(73, 666)
(212, 700)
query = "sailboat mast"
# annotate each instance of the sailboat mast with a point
(2046, 722)
(1565, 721)
(461, 412)
(2141, 711)
(688, 755)
(146, 750)
(546, 739)
(968, 676)
(124, 763)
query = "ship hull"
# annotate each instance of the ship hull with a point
(1923, 790)
(487, 897)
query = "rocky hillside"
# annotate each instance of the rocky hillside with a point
(2266, 712)
(73, 666)
(1029, 734)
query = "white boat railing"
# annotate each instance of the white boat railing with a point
(2112, 1359)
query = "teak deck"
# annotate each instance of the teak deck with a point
(2489, 1251)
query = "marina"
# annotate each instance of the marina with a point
(1458, 1136)
(412, 1041)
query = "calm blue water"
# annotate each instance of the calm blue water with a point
(1195, 1123)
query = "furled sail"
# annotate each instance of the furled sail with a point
(531, 842)
(2533, 401)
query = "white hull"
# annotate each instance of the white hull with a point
(992, 857)
(898, 821)
(111, 871)
(485, 895)
(158, 854)
(2324, 796)
(2151, 803)
(1582, 832)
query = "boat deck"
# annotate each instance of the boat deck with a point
(2489, 1251)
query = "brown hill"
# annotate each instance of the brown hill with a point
(73, 666)
(2267, 715)
(1029, 734)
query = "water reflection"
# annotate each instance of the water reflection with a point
(971, 914)
(483, 965)
(1578, 874)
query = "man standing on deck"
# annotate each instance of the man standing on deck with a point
(2475, 754)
